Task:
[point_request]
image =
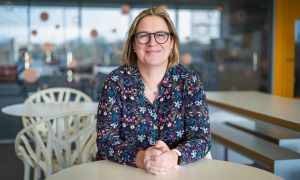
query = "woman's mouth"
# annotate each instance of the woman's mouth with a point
(153, 51)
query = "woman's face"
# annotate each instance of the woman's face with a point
(153, 53)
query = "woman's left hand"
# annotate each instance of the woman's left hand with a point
(160, 164)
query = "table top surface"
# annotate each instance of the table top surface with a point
(203, 169)
(270, 108)
(45, 110)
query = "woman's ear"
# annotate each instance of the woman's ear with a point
(133, 46)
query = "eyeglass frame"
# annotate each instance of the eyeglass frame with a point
(168, 33)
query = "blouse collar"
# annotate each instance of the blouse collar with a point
(135, 72)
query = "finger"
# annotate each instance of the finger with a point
(148, 170)
(162, 146)
(151, 152)
(154, 151)
(147, 167)
(163, 149)
(157, 170)
(160, 158)
(151, 163)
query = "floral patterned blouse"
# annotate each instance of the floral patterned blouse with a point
(129, 122)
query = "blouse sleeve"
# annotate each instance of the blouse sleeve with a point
(196, 120)
(110, 146)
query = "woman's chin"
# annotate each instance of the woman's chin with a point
(155, 62)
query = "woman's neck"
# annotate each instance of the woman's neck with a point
(152, 77)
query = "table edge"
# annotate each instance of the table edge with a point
(262, 117)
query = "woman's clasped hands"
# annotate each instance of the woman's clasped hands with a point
(158, 159)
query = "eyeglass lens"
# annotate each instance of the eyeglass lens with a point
(160, 37)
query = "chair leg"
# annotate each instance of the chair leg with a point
(48, 174)
(37, 173)
(226, 154)
(26, 169)
(49, 171)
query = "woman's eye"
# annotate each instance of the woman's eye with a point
(160, 35)
(143, 35)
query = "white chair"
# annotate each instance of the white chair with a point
(90, 150)
(208, 156)
(52, 96)
(55, 154)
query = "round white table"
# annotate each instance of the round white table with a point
(46, 110)
(201, 170)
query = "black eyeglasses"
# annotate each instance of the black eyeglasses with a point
(161, 37)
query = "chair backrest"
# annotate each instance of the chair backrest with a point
(66, 150)
(57, 95)
(208, 155)
(52, 96)
(90, 150)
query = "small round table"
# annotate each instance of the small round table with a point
(202, 169)
(46, 110)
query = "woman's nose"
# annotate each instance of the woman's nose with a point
(152, 40)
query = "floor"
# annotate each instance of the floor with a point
(10, 125)
(11, 166)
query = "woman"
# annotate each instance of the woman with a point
(153, 112)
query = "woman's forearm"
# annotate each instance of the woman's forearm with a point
(139, 160)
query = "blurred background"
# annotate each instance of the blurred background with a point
(73, 43)
(227, 43)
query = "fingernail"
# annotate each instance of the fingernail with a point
(148, 165)
(151, 170)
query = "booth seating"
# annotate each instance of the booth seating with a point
(283, 162)
(284, 137)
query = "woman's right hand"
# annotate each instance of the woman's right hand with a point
(143, 156)
(151, 151)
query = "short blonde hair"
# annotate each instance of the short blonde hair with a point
(129, 57)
